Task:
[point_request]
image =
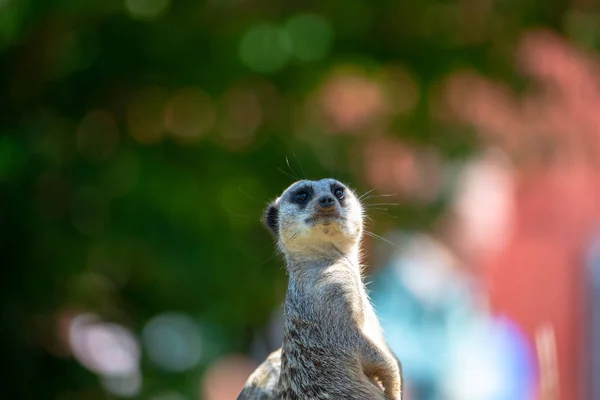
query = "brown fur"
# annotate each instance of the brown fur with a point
(333, 346)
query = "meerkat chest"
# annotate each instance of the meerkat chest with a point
(343, 295)
(344, 304)
(348, 290)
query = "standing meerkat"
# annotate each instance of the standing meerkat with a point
(333, 346)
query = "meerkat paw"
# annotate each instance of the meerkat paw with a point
(393, 396)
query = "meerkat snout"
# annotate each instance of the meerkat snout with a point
(326, 203)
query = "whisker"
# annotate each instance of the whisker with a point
(381, 204)
(332, 164)
(382, 195)
(376, 197)
(290, 167)
(374, 235)
(368, 217)
(300, 165)
(364, 194)
(269, 259)
(258, 201)
(287, 174)
(239, 215)
(382, 211)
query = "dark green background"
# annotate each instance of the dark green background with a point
(186, 234)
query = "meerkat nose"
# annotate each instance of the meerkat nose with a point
(326, 201)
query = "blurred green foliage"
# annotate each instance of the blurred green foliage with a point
(96, 218)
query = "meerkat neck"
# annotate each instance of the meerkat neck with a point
(318, 262)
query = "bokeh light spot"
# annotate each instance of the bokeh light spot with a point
(265, 48)
(481, 231)
(189, 114)
(147, 9)
(410, 173)
(97, 135)
(240, 115)
(173, 341)
(128, 385)
(353, 102)
(102, 347)
(145, 115)
(225, 378)
(311, 36)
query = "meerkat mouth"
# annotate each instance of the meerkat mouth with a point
(323, 218)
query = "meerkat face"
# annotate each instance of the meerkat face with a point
(314, 215)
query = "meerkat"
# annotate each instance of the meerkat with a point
(333, 345)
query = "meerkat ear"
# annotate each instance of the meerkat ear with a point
(271, 217)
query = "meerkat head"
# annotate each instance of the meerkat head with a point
(313, 216)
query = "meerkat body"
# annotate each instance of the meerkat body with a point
(333, 345)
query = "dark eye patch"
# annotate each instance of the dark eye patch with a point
(339, 192)
(301, 196)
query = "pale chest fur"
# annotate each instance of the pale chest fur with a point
(343, 292)
(323, 308)
(330, 301)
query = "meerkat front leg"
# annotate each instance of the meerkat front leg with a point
(379, 364)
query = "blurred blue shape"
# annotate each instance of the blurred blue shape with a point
(173, 341)
(449, 347)
(491, 359)
(592, 279)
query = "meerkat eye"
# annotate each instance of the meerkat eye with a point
(339, 193)
(302, 195)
